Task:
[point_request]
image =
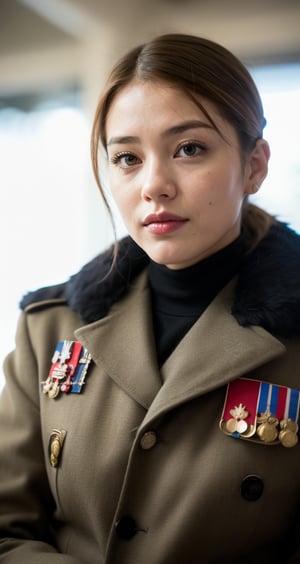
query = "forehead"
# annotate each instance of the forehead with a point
(157, 98)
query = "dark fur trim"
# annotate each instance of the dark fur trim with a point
(268, 288)
(267, 292)
(93, 291)
(47, 293)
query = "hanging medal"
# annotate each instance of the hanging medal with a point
(261, 412)
(68, 370)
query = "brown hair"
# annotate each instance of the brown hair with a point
(199, 67)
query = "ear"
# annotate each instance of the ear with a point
(256, 168)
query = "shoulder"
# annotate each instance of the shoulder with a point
(43, 298)
(91, 291)
(268, 287)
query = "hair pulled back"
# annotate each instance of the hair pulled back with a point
(200, 68)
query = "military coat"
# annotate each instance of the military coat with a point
(143, 472)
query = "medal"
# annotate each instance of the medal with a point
(239, 413)
(68, 371)
(267, 431)
(237, 424)
(261, 412)
(288, 434)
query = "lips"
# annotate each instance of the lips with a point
(164, 222)
(162, 218)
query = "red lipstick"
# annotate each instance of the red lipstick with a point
(163, 223)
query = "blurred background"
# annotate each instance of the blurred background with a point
(54, 58)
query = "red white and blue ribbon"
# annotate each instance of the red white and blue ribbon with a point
(68, 370)
(252, 403)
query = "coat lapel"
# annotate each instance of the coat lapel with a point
(123, 345)
(215, 350)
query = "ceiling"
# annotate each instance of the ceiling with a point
(57, 48)
(262, 30)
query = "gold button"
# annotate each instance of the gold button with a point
(148, 440)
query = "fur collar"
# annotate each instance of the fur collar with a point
(267, 291)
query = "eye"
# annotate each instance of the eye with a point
(125, 159)
(190, 149)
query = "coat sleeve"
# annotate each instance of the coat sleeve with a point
(26, 504)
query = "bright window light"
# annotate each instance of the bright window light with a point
(44, 157)
(280, 91)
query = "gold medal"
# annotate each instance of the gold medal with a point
(230, 425)
(237, 423)
(288, 434)
(289, 424)
(262, 412)
(54, 390)
(288, 438)
(263, 417)
(267, 431)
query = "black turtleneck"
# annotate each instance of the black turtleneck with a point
(179, 297)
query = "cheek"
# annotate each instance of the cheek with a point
(225, 188)
(206, 191)
(123, 200)
(219, 197)
(114, 187)
(119, 201)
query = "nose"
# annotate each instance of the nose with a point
(158, 182)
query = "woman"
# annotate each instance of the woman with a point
(151, 408)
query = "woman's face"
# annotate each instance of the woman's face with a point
(179, 184)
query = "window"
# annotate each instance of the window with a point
(44, 148)
(280, 90)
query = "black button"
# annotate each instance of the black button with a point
(252, 488)
(126, 528)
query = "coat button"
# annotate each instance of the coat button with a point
(252, 488)
(126, 527)
(148, 440)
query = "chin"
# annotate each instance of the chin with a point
(171, 255)
(170, 261)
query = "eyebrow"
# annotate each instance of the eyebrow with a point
(182, 127)
(174, 130)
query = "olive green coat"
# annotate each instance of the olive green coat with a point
(143, 443)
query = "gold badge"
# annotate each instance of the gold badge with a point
(56, 442)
